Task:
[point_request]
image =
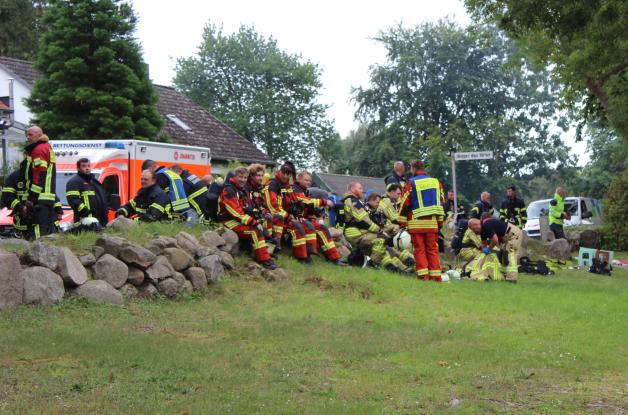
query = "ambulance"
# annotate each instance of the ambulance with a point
(117, 164)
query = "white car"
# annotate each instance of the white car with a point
(584, 211)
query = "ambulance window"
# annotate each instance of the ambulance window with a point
(111, 185)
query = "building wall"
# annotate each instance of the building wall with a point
(20, 92)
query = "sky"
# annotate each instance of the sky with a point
(337, 35)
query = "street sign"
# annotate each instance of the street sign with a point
(474, 155)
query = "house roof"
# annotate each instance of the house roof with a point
(184, 121)
(338, 183)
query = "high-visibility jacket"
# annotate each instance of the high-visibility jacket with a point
(235, 206)
(557, 210)
(196, 192)
(421, 204)
(150, 204)
(13, 195)
(390, 209)
(87, 198)
(357, 221)
(40, 173)
(514, 211)
(481, 208)
(171, 183)
(256, 196)
(280, 199)
(310, 205)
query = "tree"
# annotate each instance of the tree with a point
(20, 38)
(445, 88)
(262, 92)
(95, 82)
(584, 41)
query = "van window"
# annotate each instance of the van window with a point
(61, 181)
(583, 207)
(111, 185)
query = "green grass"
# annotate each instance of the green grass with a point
(328, 341)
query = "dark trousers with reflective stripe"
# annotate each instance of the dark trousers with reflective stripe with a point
(40, 221)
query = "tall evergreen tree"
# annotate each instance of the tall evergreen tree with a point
(95, 82)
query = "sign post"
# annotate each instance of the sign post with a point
(474, 155)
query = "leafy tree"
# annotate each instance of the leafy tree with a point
(264, 93)
(584, 41)
(19, 39)
(445, 88)
(95, 83)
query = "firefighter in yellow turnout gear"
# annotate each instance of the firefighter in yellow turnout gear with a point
(506, 236)
(478, 265)
(363, 234)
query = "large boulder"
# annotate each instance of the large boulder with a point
(157, 245)
(122, 223)
(227, 260)
(100, 291)
(588, 239)
(212, 265)
(179, 258)
(39, 253)
(212, 240)
(70, 268)
(98, 251)
(41, 286)
(137, 256)
(136, 276)
(112, 245)
(110, 269)
(168, 287)
(196, 276)
(11, 282)
(9, 243)
(558, 249)
(159, 270)
(188, 243)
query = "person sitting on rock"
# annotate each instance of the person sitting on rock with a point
(151, 204)
(235, 211)
(478, 265)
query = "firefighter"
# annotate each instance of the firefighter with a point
(389, 229)
(171, 183)
(398, 175)
(13, 196)
(196, 191)
(86, 195)
(483, 207)
(422, 210)
(284, 206)
(150, 204)
(513, 209)
(39, 175)
(316, 232)
(254, 188)
(507, 237)
(235, 212)
(448, 207)
(365, 235)
(557, 213)
(389, 208)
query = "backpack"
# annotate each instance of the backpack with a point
(527, 266)
(213, 193)
(600, 267)
(456, 242)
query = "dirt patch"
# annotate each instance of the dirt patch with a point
(320, 282)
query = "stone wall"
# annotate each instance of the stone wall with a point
(116, 270)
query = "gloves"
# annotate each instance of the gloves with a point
(486, 250)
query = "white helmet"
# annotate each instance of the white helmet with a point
(444, 277)
(402, 240)
(89, 221)
(453, 274)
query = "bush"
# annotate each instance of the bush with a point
(614, 233)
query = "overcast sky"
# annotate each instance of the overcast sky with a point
(334, 34)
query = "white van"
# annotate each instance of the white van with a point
(584, 211)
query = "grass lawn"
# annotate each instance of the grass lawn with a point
(329, 341)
